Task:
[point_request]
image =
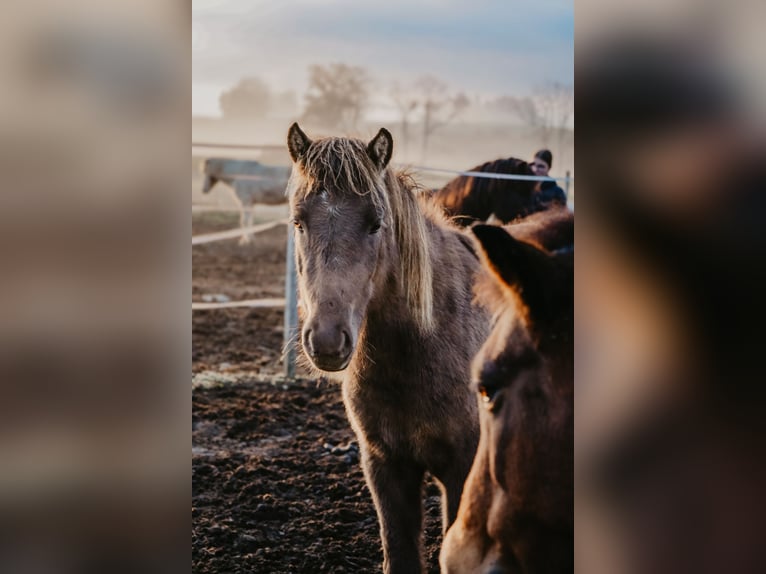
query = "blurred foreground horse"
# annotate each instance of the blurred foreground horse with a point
(251, 181)
(516, 514)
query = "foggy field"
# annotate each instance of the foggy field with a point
(460, 145)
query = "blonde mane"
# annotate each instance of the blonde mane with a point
(342, 163)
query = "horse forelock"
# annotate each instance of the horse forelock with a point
(342, 165)
(338, 166)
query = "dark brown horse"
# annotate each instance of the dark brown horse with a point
(516, 514)
(467, 199)
(386, 289)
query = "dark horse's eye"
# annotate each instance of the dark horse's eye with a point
(298, 225)
(375, 227)
(488, 392)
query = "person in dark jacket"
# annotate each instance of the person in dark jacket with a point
(547, 193)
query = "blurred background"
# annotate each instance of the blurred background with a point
(456, 83)
(669, 432)
(94, 302)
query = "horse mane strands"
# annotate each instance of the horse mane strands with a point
(414, 248)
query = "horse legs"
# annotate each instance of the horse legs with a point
(396, 490)
(245, 220)
(452, 483)
(453, 474)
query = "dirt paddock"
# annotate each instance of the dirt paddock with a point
(277, 485)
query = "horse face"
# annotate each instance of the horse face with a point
(337, 242)
(516, 509)
(210, 168)
(506, 376)
(339, 233)
(208, 184)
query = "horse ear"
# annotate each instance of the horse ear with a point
(519, 266)
(297, 142)
(380, 148)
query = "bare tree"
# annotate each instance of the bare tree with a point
(406, 104)
(285, 104)
(337, 95)
(524, 108)
(555, 103)
(548, 112)
(249, 99)
(439, 107)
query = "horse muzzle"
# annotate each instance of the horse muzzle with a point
(329, 349)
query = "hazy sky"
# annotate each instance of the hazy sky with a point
(487, 47)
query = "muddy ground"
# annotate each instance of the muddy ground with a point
(277, 486)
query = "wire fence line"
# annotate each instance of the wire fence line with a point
(509, 176)
(479, 174)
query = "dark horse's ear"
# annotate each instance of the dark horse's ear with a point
(380, 148)
(297, 142)
(518, 265)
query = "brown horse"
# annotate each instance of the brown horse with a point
(373, 266)
(516, 514)
(467, 199)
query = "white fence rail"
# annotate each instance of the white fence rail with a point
(567, 179)
(232, 233)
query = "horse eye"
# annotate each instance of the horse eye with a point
(487, 392)
(298, 225)
(375, 227)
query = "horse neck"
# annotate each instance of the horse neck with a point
(388, 306)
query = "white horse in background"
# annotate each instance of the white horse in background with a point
(252, 183)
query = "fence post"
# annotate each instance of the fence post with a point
(566, 185)
(291, 306)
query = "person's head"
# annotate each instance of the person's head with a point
(542, 163)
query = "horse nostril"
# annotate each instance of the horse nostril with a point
(346, 341)
(307, 342)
